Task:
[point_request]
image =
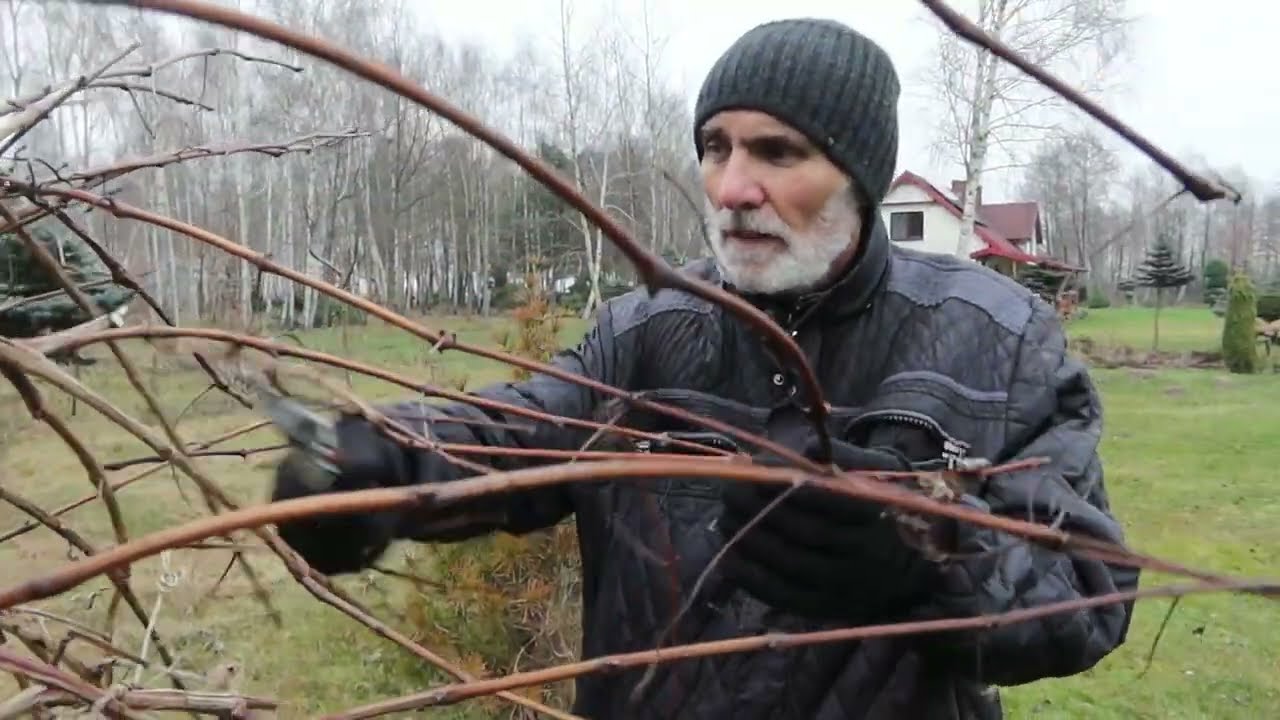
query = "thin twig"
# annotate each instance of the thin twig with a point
(21, 103)
(14, 127)
(284, 349)
(305, 143)
(121, 484)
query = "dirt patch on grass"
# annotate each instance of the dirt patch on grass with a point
(1126, 356)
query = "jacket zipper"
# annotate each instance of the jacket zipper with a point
(954, 450)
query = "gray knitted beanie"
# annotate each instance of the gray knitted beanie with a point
(823, 78)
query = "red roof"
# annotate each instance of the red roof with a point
(997, 243)
(1016, 220)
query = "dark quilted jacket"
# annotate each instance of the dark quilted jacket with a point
(936, 355)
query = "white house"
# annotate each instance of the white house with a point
(1006, 235)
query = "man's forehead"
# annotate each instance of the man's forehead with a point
(747, 124)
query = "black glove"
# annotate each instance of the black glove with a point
(823, 555)
(335, 544)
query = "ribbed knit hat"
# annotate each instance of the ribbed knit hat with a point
(821, 77)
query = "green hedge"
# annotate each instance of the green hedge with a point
(1269, 307)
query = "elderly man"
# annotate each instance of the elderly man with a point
(925, 359)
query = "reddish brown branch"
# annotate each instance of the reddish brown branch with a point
(1203, 188)
(47, 615)
(97, 475)
(286, 350)
(451, 448)
(857, 485)
(655, 272)
(46, 344)
(41, 643)
(450, 694)
(65, 689)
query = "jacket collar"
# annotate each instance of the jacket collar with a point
(850, 294)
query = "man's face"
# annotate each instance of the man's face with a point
(780, 215)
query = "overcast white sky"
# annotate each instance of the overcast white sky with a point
(1199, 78)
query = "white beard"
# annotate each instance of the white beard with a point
(804, 261)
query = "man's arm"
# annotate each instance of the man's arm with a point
(1055, 412)
(605, 354)
(347, 543)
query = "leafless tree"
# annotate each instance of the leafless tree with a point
(1072, 177)
(987, 106)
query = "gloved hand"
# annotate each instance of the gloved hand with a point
(822, 555)
(335, 544)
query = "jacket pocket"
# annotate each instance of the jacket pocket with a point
(919, 437)
(934, 420)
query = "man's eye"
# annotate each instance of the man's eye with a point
(714, 148)
(779, 152)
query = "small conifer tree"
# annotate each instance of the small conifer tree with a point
(1161, 270)
(32, 301)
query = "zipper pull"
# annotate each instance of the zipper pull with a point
(954, 453)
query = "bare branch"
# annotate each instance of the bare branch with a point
(13, 127)
(305, 144)
(140, 71)
(1203, 188)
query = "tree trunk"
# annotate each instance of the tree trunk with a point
(979, 129)
(1155, 341)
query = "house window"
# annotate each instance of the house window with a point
(906, 226)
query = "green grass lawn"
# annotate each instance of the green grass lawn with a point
(1190, 457)
(1182, 329)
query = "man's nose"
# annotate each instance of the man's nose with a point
(738, 188)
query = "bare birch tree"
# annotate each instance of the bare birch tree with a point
(987, 105)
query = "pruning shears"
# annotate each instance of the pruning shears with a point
(307, 430)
